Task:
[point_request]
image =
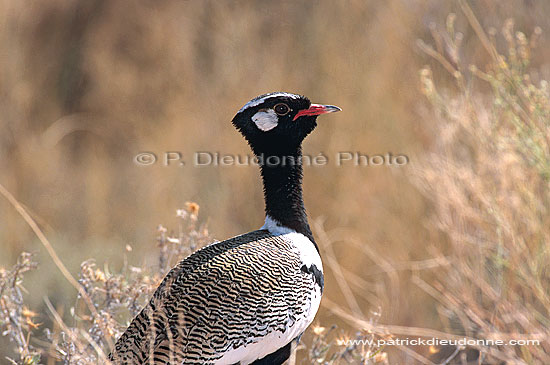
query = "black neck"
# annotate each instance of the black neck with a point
(283, 190)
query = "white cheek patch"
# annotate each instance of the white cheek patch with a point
(265, 120)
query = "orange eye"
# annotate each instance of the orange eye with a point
(281, 109)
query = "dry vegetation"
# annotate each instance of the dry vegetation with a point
(455, 245)
(488, 176)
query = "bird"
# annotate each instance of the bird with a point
(246, 299)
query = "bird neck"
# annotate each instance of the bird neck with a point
(284, 204)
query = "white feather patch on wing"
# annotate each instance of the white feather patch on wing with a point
(265, 120)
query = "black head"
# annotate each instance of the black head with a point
(278, 122)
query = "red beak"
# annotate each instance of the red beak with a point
(317, 109)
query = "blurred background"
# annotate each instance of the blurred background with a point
(87, 85)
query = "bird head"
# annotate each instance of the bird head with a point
(278, 122)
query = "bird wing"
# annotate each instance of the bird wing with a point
(218, 304)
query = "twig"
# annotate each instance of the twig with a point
(478, 29)
(336, 269)
(386, 266)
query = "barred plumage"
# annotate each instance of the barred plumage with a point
(226, 296)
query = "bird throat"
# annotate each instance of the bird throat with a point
(282, 180)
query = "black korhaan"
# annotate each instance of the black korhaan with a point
(243, 300)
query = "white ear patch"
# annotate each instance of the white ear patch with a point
(265, 119)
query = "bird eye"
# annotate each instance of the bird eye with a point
(281, 109)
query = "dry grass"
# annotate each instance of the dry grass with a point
(454, 245)
(488, 176)
(116, 295)
(16, 319)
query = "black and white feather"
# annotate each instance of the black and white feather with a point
(243, 300)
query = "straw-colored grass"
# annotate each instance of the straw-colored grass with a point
(453, 245)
